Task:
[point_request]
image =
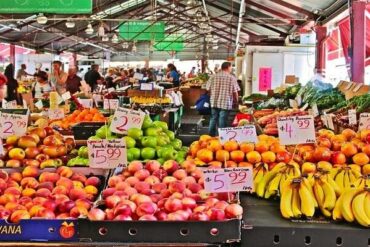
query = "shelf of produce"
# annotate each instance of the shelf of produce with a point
(263, 226)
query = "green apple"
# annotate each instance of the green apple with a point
(72, 162)
(103, 132)
(161, 124)
(130, 142)
(170, 134)
(177, 144)
(185, 149)
(160, 160)
(169, 154)
(181, 154)
(180, 160)
(130, 156)
(152, 131)
(85, 162)
(112, 137)
(135, 133)
(94, 138)
(148, 153)
(149, 141)
(83, 152)
(135, 153)
(163, 140)
(147, 122)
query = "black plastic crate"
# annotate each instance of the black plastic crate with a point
(156, 232)
(84, 130)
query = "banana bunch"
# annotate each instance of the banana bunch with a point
(297, 198)
(354, 205)
(271, 183)
(346, 176)
(150, 100)
(259, 172)
(326, 192)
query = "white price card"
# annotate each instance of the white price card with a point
(107, 154)
(299, 100)
(13, 124)
(39, 104)
(228, 179)
(110, 104)
(315, 110)
(86, 103)
(124, 119)
(1, 148)
(66, 96)
(364, 123)
(240, 134)
(293, 103)
(57, 113)
(146, 86)
(352, 117)
(296, 130)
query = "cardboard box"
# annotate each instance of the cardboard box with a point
(291, 79)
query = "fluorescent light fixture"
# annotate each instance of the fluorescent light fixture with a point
(115, 38)
(101, 30)
(41, 19)
(89, 29)
(70, 24)
(105, 38)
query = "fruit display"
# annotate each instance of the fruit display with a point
(168, 192)
(40, 147)
(150, 100)
(58, 194)
(82, 158)
(84, 115)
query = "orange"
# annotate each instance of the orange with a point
(349, 134)
(205, 155)
(94, 110)
(253, 157)
(194, 148)
(231, 163)
(263, 137)
(246, 147)
(237, 156)
(214, 145)
(268, 157)
(360, 159)
(215, 164)
(276, 147)
(205, 137)
(366, 169)
(245, 164)
(88, 117)
(231, 145)
(349, 149)
(222, 155)
(262, 146)
(366, 149)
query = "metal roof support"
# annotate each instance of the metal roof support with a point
(321, 33)
(269, 10)
(358, 39)
(241, 14)
(294, 7)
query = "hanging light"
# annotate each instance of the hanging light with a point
(101, 30)
(105, 38)
(215, 41)
(209, 37)
(134, 48)
(70, 24)
(125, 45)
(191, 3)
(89, 29)
(215, 47)
(115, 39)
(41, 19)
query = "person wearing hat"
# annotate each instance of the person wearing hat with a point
(42, 86)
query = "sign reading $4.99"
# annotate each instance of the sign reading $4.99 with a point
(296, 130)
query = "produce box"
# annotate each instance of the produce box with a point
(84, 130)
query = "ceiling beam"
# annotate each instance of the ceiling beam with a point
(295, 8)
(267, 9)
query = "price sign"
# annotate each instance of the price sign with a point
(315, 110)
(9, 105)
(86, 103)
(296, 130)
(299, 99)
(107, 154)
(1, 148)
(39, 104)
(352, 117)
(240, 134)
(228, 179)
(13, 124)
(293, 103)
(364, 123)
(125, 119)
(146, 86)
(110, 104)
(57, 113)
(66, 96)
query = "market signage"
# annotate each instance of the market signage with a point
(170, 43)
(142, 30)
(296, 130)
(240, 134)
(46, 6)
(107, 154)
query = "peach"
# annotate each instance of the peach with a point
(210, 202)
(197, 174)
(146, 208)
(268, 157)
(66, 206)
(60, 190)
(43, 193)
(175, 217)
(170, 166)
(173, 205)
(161, 215)
(189, 166)
(161, 173)
(39, 200)
(19, 215)
(122, 209)
(30, 171)
(148, 217)
(79, 177)
(199, 216)
(34, 209)
(308, 168)
(96, 214)
(111, 201)
(180, 174)
(349, 149)
(114, 180)
(168, 179)
(189, 180)
(322, 154)
(233, 211)
(50, 204)
(28, 192)
(29, 182)
(188, 202)
(60, 198)
(131, 204)
(90, 189)
(122, 218)
(215, 214)
(132, 181)
(130, 191)
(108, 192)
(152, 180)
(152, 165)
(135, 166)
(253, 157)
(177, 195)
(338, 158)
(262, 146)
(214, 145)
(45, 214)
(11, 183)
(142, 174)
(141, 186)
(246, 147)
(139, 199)
(360, 159)
(63, 216)
(205, 155)
(16, 176)
(49, 177)
(66, 182)
(11, 206)
(78, 211)
(65, 171)
(237, 156)
(121, 185)
(195, 187)
(13, 191)
(221, 205)
(94, 181)
(78, 184)
(46, 185)
(176, 186)
(159, 187)
(77, 193)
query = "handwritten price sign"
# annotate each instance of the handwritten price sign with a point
(110, 104)
(107, 154)
(13, 124)
(57, 113)
(1, 148)
(125, 119)
(228, 179)
(364, 123)
(86, 103)
(296, 130)
(241, 134)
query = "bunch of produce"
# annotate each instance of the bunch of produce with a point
(78, 116)
(171, 192)
(61, 194)
(82, 158)
(40, 147)
(150, 100)
(255, 97)
(269, 122)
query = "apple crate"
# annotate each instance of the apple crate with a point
(84, 130)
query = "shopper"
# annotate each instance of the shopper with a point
(21, 72)
(93, 77)
(122, 78)
(42, 87)
(12, 83)
(192, 73)
(3, 81)
(223, 89)
(58, 77)
(73, 81)
(172, 75)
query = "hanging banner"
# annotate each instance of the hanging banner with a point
(46, 6)
(170, 43)
(142, 30)
(264, 79)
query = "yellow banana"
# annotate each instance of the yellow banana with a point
(367, 205)
(330, 197)
(337, 213)
(320, 198)
(334, 171)
(307, 201)
(261, 186)
(286, 200)
(308, 185)
(358, 209)
(339, 179)
(296, 203)
(273, 186)
(356, 169)
(258, 177)
(346, 180)
(345, 207)
(311, 179)
(352, 177)
(333, 184)
(283, 179)
(359, 183)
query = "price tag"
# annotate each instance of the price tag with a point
(125, 119)
(293, 103)
(352, 117)
(364, 123)
(57, 113)
(110, 104)
(240, 134)
(228, 179)
(107, 154)
(9, 105)
(13, 124)
(86, 103)
(315, 110)
(296, 130)
(66, 96)
(146, 86)
(1, 148)
(39, 104)
(299, 100)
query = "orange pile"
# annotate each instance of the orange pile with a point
(86, 115)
